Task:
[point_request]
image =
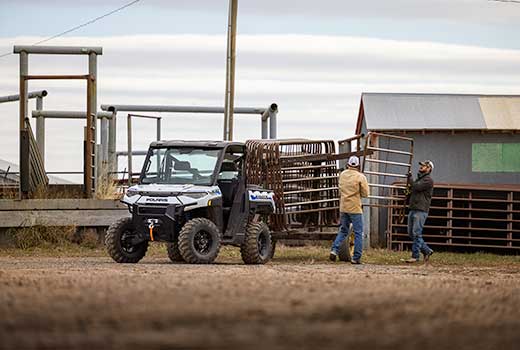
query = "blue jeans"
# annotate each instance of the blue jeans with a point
(416, 219)
(357, 222)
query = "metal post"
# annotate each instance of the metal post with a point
(112, 132)
(104, 142)
(272, 123)
(24, 158)
(89, 158)
(40, 129)
(158, 129)
(230, 70)
(129, 141)
(92, 71)
(265, 127)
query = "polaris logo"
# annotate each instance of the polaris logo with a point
(157, 199)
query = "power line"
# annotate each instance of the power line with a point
(80, 26)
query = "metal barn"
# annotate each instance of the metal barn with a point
(474, 142)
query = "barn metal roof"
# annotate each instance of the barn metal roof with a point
(394, 111)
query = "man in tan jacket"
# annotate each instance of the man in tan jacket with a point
(353, 186)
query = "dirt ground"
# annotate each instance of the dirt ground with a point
(92, 303)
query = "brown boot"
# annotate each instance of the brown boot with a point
(427, 256)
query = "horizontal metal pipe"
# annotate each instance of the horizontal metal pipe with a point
(311, 202)
(144, 116)
(386, 186)
(33, 94)
(383, 197)
(385, 174)
(58, 50)
(309, 167)
(64, 172)
(389, 151)
(68, 114)
(178, 109)
(309, 191)
(311, 210)
(387, 162)
(134, 153)
(309, 179)
(56, 77)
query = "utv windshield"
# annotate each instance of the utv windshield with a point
(180, 166)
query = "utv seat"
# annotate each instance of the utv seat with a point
(228, 183)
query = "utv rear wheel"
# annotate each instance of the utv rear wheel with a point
(346, 249)
(173, 252)
(199, 241)
(118, 242)
(257, 247)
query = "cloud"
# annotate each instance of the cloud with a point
(316, 80)
(476, 11)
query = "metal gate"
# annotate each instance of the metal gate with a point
(387, 160)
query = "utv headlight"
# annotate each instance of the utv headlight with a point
(131, 193)
(194, 195)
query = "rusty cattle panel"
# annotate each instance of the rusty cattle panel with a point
(304, 176)
(464, 217)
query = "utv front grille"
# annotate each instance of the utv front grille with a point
(151, 210)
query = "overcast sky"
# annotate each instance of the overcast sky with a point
(313, 58)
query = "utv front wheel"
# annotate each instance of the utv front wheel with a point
(118, 242)
(199, 241)
(173, 252)
(258, 246)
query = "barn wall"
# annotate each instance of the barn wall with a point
(454, 156)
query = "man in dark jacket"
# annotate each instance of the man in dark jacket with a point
(420, 199)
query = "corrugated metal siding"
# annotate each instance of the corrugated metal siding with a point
(440, 112)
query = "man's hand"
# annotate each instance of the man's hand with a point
(409, 181)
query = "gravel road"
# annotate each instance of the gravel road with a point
(92, 303)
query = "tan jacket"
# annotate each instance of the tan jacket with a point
(352, 187)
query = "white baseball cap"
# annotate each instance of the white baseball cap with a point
(428, 163)
(353, 161)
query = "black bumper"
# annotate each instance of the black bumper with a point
(167, 220)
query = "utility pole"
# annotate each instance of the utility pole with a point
(230, 70)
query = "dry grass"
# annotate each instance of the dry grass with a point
(41, 236)
(45, 192)
(106, 188)
(56, 243)
(48, 240)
